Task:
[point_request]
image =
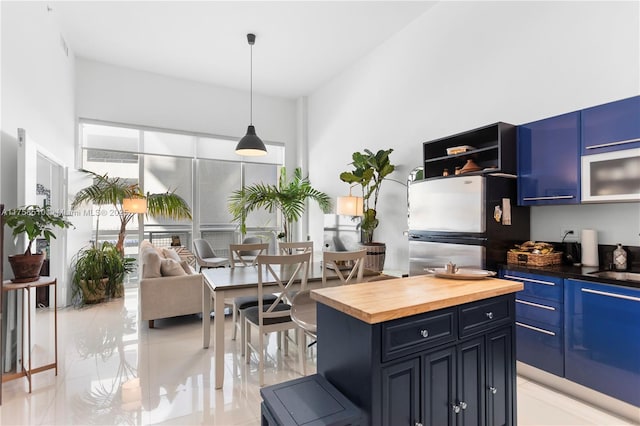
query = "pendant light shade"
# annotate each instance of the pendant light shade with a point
(251, 144)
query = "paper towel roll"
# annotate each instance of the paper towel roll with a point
(589, 247)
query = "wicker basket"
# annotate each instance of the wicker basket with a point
(530, 259)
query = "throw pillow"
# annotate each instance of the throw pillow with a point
(171, 268)
(187, 268)
(151, 263)
(170, 254)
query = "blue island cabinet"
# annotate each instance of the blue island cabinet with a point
(603, 338)
(548, 161)
(454, 366)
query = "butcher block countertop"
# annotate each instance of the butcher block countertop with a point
(381, 301)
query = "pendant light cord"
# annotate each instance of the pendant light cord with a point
(251, 85)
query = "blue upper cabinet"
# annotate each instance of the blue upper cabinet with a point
(611, 127)
(548, 161)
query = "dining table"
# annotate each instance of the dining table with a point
(222, 284)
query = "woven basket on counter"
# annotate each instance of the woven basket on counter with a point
(530, 259)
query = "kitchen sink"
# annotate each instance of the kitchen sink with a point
(618, 275)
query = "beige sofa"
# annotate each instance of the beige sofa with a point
(168, 287)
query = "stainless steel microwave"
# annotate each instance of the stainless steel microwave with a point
(611, 176)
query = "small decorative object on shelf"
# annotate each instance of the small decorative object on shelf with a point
(445, 172)
(457, 171)
(620, 258)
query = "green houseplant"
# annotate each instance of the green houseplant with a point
(370, 170)
(34, 221)
(98, 273)
(288, 197)
(113, 191)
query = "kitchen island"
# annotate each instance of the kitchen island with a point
(421, 350)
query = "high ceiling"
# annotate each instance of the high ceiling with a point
(300, 44)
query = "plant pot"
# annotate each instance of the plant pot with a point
(376, 253)
(94, 292)
(26, 268)
(118, 291)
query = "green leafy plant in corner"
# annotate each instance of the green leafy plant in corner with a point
(370, 170)
(287, 197)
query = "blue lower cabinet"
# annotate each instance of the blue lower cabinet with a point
(603, 338)
(540, 346)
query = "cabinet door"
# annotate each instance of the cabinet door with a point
(401, 393)
(438, 387)
(603, 338)
(500, 380)
(611, 127)
(471, 383)
(548, 166)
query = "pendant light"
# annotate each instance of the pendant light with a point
(251, 144)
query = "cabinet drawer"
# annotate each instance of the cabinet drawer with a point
(416, 333)
(486, 314)
(539, 311)
(541, 347)
(538, 286)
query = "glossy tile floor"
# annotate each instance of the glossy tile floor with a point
(114, 370)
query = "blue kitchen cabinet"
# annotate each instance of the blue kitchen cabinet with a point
(539, 321)
(603, 338)
(611, 127)
(548, 161)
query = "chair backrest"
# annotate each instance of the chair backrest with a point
(236, 253)
(284, 270)
(296, 248)
(202, 249)
(250, 240)
(347, 266)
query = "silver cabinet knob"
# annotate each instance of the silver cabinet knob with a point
(463, 405)
(493, 390)
(424, 333)
(418, 424)
(489, 315)
(456, 408)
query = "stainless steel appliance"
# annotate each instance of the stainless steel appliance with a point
(469, 220)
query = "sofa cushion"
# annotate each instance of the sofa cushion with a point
(171, 254)
(171, 268)
(150, 263)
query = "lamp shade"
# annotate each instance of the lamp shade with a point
(350, 206)
(251, 144)
(134, 205)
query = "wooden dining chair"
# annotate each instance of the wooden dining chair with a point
(296, 247)
(246, 254)
(346, 266)
(284, 271)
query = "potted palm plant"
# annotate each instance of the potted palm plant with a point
(98, 273)
(370, 170)
(34, 221)
(288, 197)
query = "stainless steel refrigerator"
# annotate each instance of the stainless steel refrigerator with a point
(469, 220)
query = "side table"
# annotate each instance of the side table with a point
(29, 369)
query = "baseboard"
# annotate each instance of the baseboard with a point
(595, 398)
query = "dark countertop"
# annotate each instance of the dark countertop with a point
(575, 272)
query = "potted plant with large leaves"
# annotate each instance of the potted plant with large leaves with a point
(34, 221)
(288, 197)
(115, 191)
(370, 170)
(98, 273)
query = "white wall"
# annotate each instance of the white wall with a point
(117, 94)
(462, 65)
(37, 93)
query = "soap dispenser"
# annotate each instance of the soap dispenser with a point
(620, 258)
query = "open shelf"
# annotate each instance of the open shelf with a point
(494, 151)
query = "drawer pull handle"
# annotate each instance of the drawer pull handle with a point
(456, 408)
(540, 330)
(463, 405)
(536, 305)
(424, 333)
(530, 280)
(606, 293)
(489, 315)
(493, 390)
(555, 197)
